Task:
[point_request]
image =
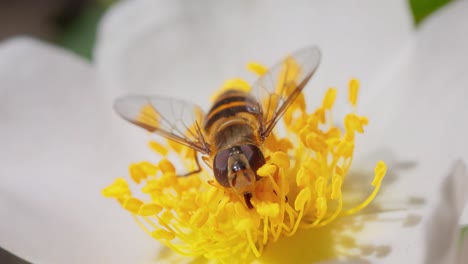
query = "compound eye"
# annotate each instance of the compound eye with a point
(220, 168)
(254, 155)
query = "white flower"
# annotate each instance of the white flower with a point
(61, 143)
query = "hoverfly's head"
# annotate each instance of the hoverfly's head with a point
(236, 168)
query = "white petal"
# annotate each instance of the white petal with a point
(188, 50)
(429, 236)
(59, 148)
(410, 236)
(420, 112)
(442, 224)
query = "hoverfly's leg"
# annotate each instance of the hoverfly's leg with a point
(286, 199)
(207, 160)
(213, 183)
(197, 170)
(247, 198)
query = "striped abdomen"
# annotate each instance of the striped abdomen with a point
(233, 120)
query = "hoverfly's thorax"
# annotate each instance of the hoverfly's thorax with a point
(233, 135)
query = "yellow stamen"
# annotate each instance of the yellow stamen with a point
(302, 198)
(281, 159)
(161, 234)
(257, 68)
(158, 148)
(118, 189)
(149, 209)
(200, 217)
(132, 204)
(268, 209)
(233, 84)
(266, 170)
(300, 185)
(166, 166)
(353, 91)
(136, 172)
(380, 171)
(329, 99)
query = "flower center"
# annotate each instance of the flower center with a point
(300, 187)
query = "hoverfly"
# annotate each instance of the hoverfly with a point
(231, 135)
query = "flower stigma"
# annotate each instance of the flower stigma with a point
(300, 186)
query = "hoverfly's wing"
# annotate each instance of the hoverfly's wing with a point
(173, 119)
(281, 85)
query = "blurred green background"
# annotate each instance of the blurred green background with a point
(67, 23)
(72, 24)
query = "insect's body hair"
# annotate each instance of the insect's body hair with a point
(228, 126)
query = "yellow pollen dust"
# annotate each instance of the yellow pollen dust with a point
(300, 187)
